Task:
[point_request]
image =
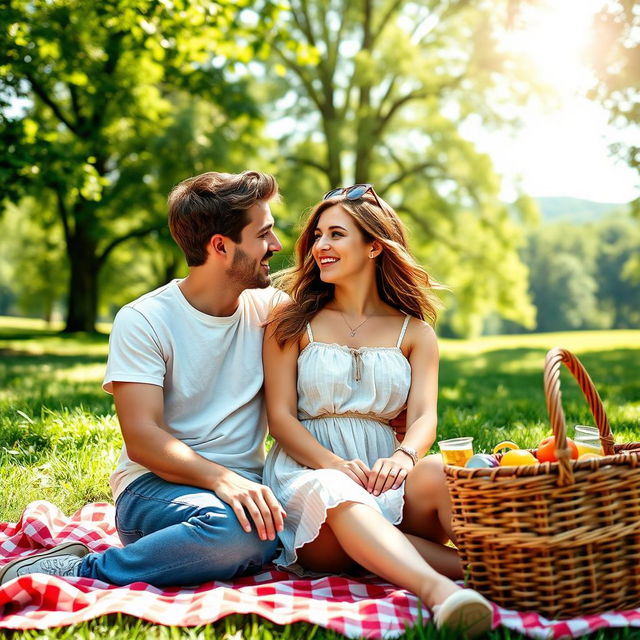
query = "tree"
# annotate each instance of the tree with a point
(617, 270)
(95, 85)
(382, 90)
(32, 248)
(615, 59)
(561, 260)
(581, 275)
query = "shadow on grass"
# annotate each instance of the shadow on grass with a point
(11, 333)
(24, 358)
(31, 382)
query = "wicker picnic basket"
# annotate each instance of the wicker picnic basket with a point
(560, 538)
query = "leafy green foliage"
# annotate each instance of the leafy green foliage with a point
(32, 250)
(379, 92)
(575, 210)
(102, 125)
(615, 57)
(583, 276)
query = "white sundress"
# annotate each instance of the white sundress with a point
(346, 398)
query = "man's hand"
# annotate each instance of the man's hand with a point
(357, 470)
(388, 473)
(399, 425)
(258, 500)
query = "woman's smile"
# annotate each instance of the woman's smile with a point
(327, 261)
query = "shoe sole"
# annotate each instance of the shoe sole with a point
(465, 612)
(77, 549)
(472, 622)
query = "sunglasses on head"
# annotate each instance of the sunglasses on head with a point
(353, 193)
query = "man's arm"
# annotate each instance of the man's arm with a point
(140, 409)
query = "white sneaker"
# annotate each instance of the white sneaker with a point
(465, 612)
(63, 560)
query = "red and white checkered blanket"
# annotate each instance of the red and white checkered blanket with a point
(365, 607)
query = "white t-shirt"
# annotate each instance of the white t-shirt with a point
(210, 370)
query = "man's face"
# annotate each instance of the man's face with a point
(258, 242)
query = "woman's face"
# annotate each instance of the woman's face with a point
(339, 249)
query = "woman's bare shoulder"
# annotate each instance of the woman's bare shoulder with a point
(420, 334)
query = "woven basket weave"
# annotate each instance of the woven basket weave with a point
(560, 538)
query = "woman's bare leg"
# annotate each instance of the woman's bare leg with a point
(325, 554)
(356, 532)
(427, 506)
(426, 523)
(377, 545)
(443, 559)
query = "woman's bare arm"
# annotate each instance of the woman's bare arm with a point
(422, 417)
(280, 378)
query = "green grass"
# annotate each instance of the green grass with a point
(59, 438)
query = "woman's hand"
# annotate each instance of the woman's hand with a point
(388, 473)
(355, 469)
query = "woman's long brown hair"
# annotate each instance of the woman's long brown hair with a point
(402, 282)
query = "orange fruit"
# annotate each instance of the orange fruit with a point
(547, 450)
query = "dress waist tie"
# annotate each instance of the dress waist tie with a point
(348, 414)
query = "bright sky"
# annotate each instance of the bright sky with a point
(563, 152)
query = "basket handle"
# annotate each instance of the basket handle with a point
(552, 363)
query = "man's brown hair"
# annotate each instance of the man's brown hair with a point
(211, 203)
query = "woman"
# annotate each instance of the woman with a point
(345, 356)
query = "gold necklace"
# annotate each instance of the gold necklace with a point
(352, 329)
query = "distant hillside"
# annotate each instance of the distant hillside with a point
(575, 210)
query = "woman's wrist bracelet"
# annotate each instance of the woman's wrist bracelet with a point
(412, 453)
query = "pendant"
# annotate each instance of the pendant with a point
(353, 333)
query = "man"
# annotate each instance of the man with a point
(185, 370)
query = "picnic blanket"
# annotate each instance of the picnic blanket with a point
(364, 607)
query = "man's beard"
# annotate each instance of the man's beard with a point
(247, 272)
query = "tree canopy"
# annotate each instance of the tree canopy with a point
(105, 106)
(378, 92)
(615, 59)
(90, 91)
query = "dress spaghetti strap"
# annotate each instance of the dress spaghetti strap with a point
(405, 324)
(309, 332)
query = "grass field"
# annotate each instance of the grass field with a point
(59, 438)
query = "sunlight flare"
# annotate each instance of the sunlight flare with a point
(554, 37)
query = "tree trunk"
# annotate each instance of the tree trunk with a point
(365, 142)
(83, 287)
(48, 310)
(332, 132)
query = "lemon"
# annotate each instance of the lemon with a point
(507, 444)
(589, 455)
(517, 457)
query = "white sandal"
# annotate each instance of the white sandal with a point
(464, 611)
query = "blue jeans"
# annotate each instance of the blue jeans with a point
(176, 535)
